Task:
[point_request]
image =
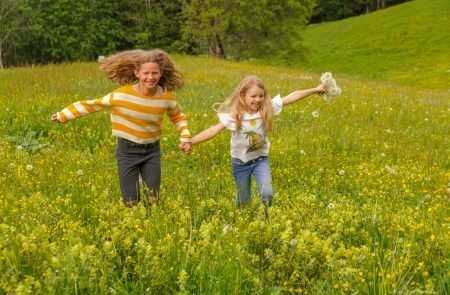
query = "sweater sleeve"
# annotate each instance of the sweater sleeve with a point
(178, 118)
(83, 108)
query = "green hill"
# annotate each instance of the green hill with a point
(408, 44)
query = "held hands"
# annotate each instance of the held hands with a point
(186, 147)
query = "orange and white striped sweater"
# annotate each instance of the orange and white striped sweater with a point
(134, 117)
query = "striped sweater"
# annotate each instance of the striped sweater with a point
(134, 117)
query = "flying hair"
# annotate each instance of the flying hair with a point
(120, 67)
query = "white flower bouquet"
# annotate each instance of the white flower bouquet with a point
(332, 89)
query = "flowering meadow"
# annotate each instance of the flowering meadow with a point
(361, 205)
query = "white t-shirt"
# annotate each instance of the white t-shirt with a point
(250, 141)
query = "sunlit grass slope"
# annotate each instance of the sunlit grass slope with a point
(360, 207)
(407, 43)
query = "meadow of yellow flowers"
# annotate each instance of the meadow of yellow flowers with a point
(361, 181)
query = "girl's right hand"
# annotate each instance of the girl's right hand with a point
(54, 118)
(185, 147)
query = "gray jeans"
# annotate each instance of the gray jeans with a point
(134, 159)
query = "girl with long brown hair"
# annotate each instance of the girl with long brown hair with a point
(148, 79)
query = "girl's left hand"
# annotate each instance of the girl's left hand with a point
(321, 88)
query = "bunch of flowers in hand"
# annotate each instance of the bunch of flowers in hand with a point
(332, 89)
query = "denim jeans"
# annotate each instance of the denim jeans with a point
(134, 159)
(242, 172)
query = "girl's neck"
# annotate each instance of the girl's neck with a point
(142, 90)
(251, 112)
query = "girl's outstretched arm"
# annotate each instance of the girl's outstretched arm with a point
(300, 94)
(82, 108)
(208, 133)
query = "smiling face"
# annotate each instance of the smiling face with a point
(253, 98)
(148, 75)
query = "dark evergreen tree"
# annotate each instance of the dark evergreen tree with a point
(330, 10)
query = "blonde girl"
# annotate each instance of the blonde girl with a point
(137, 107)
(247, 113)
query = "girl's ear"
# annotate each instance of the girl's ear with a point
(136, 72)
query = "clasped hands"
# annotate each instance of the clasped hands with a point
(186, 147)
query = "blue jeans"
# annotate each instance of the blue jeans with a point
(242, 172)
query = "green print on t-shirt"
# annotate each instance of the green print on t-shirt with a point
(256, 141)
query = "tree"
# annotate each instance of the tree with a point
(381, 4)
(206, 20)
(12, 20)
(246, 29)
(159, 25)
(65, 30)
(329, 10)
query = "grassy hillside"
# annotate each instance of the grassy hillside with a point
(408, 43)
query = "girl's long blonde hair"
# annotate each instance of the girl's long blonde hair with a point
(120, 67)
(235, 103)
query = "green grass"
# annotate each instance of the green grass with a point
(361, 192)
(407, 43)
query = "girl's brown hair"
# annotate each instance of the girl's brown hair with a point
(235, 103)
(120, 67)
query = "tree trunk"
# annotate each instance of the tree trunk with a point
(381, 4)
(1, 61)
(216, 47)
